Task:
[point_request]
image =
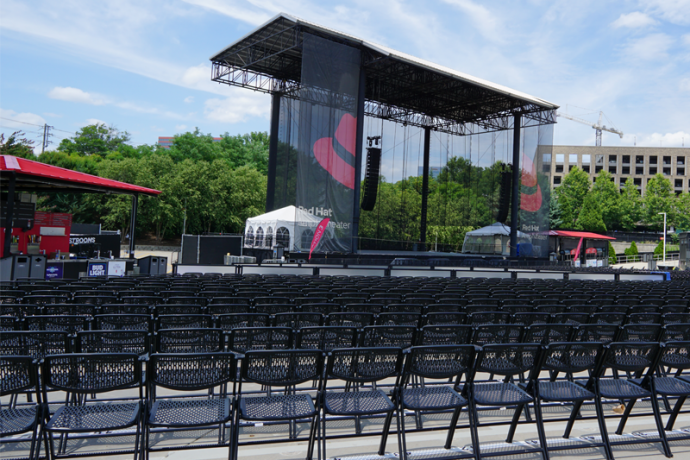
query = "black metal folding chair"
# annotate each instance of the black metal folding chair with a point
(186, 373)
(191, 340)
(358, 367)
(19, 374)
(285, 369)
(83, 374)
(432, 364)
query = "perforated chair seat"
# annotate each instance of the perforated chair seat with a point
(432, 398)
(358, 402)
(670, 386)
(94, 417)
(491, 394)
(15, 421)
(190, 412)
(563, 391)
(619, 388)
(280, 407)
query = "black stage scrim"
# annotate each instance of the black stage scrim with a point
(315, 170)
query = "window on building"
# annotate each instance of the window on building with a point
(546, 158)
(639, 170)
(572, 158)
(249, 237)
(625, 170)
(680, 171)
(556, 180)
(269, 237)
(613, 169)
(652, 160)
(546, 168)
(667, 161)
(598, 163)
(586, 159)
(637, 181)
(283, 237)
(622, 182)
(652, 170)
(559, 168)
(667, 171)
(585, 168)
(679, 183)
(560, 158)
(639, 159)
(626, 159)
(259, 241)
(570, 167)
(680, 161)
(613, 159)
(307, 236)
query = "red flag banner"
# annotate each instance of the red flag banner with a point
(320, 229)
(577, 251)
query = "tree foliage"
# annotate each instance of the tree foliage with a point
(590, 217)
(658, 198)
(608, 198)
(17, 145)
(613, 259)
(571, 195)
(632, 250)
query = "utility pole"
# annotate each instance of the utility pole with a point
(46, 137)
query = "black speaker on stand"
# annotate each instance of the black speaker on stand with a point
(371, 178)
(505, 194)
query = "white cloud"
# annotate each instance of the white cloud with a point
(484, 20)
(181, 128)
(21, 120)
(70, 94)
(189, 99)
(234, 10)
(684, 85)
(673, 11)
(93, 121)
(676, 139)
(634, 20)
(238, 107)
(651, 47)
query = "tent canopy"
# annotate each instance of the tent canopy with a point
(291, 227)
(492, 239)
(574, 234)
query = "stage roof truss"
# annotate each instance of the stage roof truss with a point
(399, 88)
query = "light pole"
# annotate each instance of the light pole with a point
(664, 234)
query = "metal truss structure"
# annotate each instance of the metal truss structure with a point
(399, 89)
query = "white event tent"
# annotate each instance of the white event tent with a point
(492, 239)
(291, 227)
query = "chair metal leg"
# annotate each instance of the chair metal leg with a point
(400, 420)
(659, 423)
(571, 421)
(312, 436)
(674, 413)
(386, 429)
(540, 425)
(602, 427)
(514, 422)
(474, 427)
(451, 429)
(626, 414)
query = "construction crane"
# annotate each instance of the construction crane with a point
(598, 126)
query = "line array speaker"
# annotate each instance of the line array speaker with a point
(504, 198)
(371, 178)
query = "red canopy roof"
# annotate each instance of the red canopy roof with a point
(33, 175)
(573, 234)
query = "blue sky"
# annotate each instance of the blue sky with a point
(143, 66)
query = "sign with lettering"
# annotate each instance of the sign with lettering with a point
(97, 269)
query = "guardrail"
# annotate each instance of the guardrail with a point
(624, 259)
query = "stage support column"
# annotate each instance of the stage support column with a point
(515, 196)
(273, 152)
(425, 187)
(133, 224)
(7, 243)
(359, 140)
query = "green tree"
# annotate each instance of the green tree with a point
(658, 198)
(97, 139)
(613, 260)
(555, 212)
(630, 206)
(571, 195)
(659, 249)
(608, 197)
(590, 217)
(632, 250)
(17, 145)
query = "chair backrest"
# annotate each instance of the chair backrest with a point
(17, 374)
(282, 367)
(66, 323)
(179, 309)
(91, 372)
(631, 356)
(231, 321)
(122, 322)
(36, 344)
(572, 357)
(297, 320)
(138, 342)
(640, 333)
(451, 334)
(399, 319)
(676, 355)
(446, 318)
(183, 321)
(439, 361)
(509, 359)
(189, 340)
(191, 371)
(388, 336)
(124, 309)
(604, 333)
(243, 339)
(677, 332)
(364, 364)
(350, 319)
(497, 333)
(547, 332)
(326, 338)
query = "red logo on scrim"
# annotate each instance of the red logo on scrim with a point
(530, 203)
(325, 154)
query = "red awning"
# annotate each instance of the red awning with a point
(573, 234)
(32, 175)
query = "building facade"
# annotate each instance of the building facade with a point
(638, 163)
